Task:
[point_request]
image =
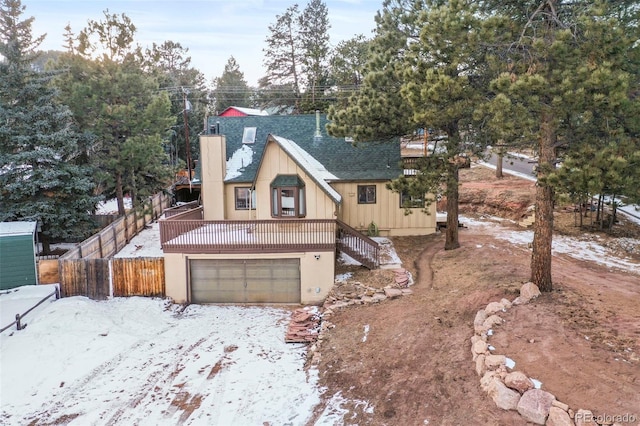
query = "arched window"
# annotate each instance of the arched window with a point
(288, 197)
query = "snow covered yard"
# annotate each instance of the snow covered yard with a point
(144, 361)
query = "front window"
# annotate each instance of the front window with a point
(366, 194)
(408, 201)
(288, 197)
(245, 199)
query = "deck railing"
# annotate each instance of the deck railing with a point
(182, 235)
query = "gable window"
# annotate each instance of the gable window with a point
(245, 199)
(288, 197)
(366, 194)
(408, 201)
(249, 135)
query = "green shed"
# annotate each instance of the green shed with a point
(17, 254)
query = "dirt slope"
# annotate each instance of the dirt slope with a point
(410, 357)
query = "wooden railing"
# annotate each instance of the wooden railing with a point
(362, 248)
(181, 235)
(181, 209)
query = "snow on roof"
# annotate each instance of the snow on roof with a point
(239, 160)
(311, 166)
(17, 228)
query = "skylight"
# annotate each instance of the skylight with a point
(249, 135)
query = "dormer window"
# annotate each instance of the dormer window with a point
(288, 197)
(249, 135)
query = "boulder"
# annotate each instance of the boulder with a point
(518, 381)
(558, 417)
(392, 293)
(481, 315)
(505, 303)
(479, 347)
(492, 321)
(529, 291)
(534, 405)
(494, 307)
(505, 398)
(481, 368)
(493, 362)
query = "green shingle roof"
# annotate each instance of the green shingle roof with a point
(365, 162)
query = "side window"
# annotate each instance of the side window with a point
(366, 194)
(245, 199)
(407, 201)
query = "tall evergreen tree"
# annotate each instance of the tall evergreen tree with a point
(314, 36)
(39, 178)
(347, 66)
(122, 107)
(564, 84)
(231, 89)
(283, 54)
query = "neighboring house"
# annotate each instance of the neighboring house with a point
(279, 199)
(234, 111)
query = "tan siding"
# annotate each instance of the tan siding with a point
(276, 161)
(230, 203)
(386, 212)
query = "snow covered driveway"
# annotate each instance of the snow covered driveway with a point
(141, 361)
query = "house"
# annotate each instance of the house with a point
(280, 198)
(234, 111)
(17, 254)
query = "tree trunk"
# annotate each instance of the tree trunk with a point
(120, 194)
(499, 174)
(543, 225)
(45, 241)
(451, 236)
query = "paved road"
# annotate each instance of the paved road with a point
(517, 164)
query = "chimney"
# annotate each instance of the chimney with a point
(317, 137)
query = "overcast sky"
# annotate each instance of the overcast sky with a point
(212, 30)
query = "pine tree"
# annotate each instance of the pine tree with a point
(314, 35)
(121, 106)
(40, 179)
(564, 85)
(231, 89)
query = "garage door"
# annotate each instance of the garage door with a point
(245, 281)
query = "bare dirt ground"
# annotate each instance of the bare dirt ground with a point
(410, 357)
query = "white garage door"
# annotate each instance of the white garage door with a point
(245, 281)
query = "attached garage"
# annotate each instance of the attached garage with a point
(17, 254)
(244, 280)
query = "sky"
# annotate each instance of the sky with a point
(212, 30)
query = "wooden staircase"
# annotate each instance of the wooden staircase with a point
(528, 221)
(358, 246)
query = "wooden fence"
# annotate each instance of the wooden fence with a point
(99, 279)
(89, 270)
(111, 239)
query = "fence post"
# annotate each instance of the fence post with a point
(57, 292)
(18, 325)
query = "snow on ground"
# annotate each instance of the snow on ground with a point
(590, 248)
(146, 361)
(145, 244)
(111, 206)
(142, 361)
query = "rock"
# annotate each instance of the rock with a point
(493, 307)
(492, 321)
(475, 338)
(406, 291)
(481, 315)
(479, 347)
(505, 303)
(392, 293)
(378, 297)
(493, 362)
(519, 301)
(505, 398)
(529, 291)
(534, 405)
(584, 418)
(518, 381)
(560, 405)
(487, 379)
(480, 366)
(558, 417)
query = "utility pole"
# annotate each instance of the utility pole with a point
(186, 108)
